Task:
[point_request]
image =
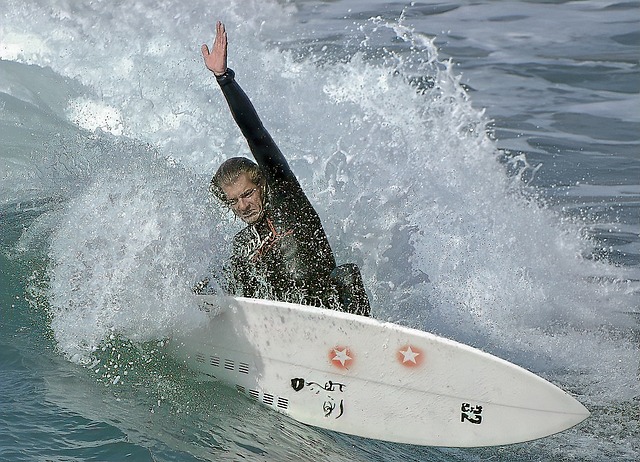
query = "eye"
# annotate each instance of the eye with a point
(248, 194)
(245, 195)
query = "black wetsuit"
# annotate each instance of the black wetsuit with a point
(285, 255)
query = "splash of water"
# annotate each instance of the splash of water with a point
(386, 142)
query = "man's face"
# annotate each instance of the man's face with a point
(245, 198)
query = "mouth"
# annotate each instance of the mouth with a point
(250, 216)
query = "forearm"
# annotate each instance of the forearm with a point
(262, 146)
(242, 110)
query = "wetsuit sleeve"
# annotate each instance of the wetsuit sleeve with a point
(262, 146)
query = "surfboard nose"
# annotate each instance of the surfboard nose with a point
(570, 415)
(569, 412)
(543, 409)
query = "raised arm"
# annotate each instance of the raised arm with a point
(262, 146)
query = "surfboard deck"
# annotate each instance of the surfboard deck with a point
(378, 380)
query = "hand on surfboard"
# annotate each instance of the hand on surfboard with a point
(216, 59)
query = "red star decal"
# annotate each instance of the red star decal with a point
(341, 357)
(410, 356)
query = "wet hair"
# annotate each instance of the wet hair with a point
(230, 170)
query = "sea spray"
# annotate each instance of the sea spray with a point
(127, 250)
(490, 264)
(384, 139)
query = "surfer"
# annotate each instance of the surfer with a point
(283, 253)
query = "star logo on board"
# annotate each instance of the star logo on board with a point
(410, 356)
(341, 357)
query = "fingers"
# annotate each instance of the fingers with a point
(219, 41)
(216, 58)
(221, 36)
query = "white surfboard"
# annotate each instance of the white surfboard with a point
(360, 376)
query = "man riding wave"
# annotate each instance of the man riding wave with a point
(283, 253)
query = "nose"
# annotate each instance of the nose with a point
(243, 203)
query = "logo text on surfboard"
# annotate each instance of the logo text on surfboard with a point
(472, 414)
(328, 392)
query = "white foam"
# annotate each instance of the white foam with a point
(92, 115)
(126, 252)
(23, 46)
(405, 179)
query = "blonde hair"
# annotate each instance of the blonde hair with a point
(230, 170)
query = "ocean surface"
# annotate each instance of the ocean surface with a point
(479, 160)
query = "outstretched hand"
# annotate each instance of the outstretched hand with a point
(216, 60)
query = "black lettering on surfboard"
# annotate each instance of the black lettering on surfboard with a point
(328, 406)
(332, 386)
(331, 405)
(471, 414)
(297, 384)
(341, 409)
(328, 386)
